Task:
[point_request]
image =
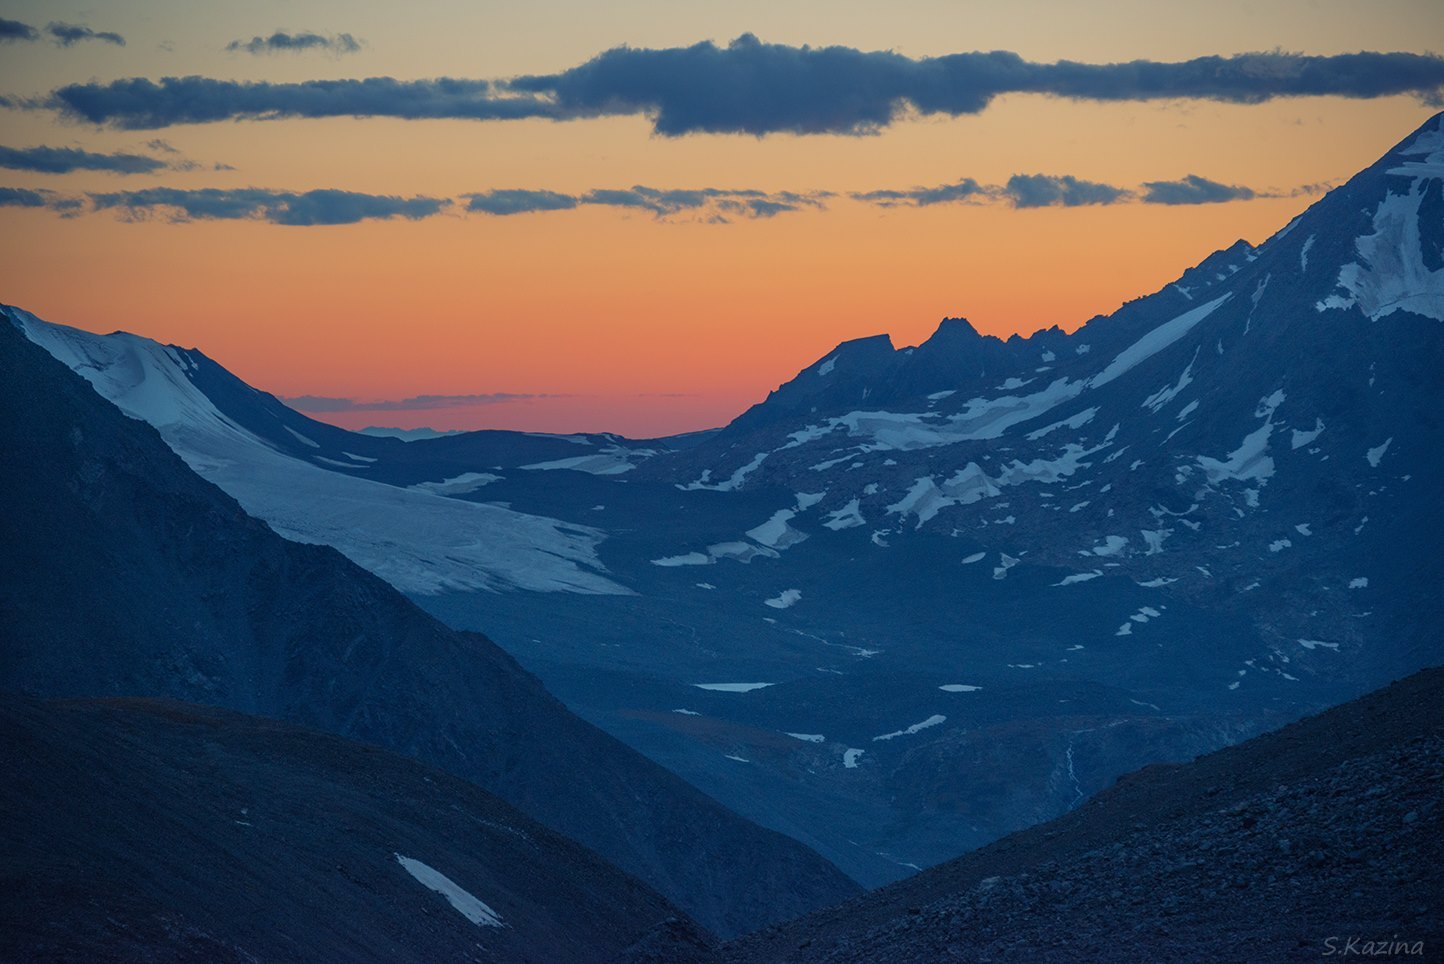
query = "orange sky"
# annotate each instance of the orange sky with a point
(637, 325)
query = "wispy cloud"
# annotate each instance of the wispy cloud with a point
(13, 31)
(328, 206)
(518, 201)
(964, 190)
(306, 208)
(141, 104)
(719, 203)
(416, 403)
(62, 160)
(1193, 189)
(750, 87)
(282, 42)
(70, 34)
(1065, 190)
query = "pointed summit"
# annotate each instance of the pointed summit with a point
(953, 328)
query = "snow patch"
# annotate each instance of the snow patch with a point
(980, 418)
(1250, 461)
(1076, 421)
(1078, 577)
(732, 687)
(806, 500)
(1316, 643)
(1155, 341)
(846, 517)
(1112, 546)
(933, 720)
(686, 559)
(775, 533)
(1156, 401)
(339, 464)
(612, 460)
(1005, 562)
(299, 437)
(1390, 274)
(457, 485)
(784, 599)
(732, 482)
(465, 903)
(1300, 439)
(1377, 452)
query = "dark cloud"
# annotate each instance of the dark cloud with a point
(143, 104)
(11, 30)
(749, 87)
(280, 41)
(61, 160)
(18, 197)
(1044, 190)
(1194, 190)
(964, 190)
(746, 87)
(518, 202)
(70, 34)
(321, 207)
(416, 403)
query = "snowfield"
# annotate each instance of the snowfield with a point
(418, 541)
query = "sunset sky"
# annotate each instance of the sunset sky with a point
(649, 243)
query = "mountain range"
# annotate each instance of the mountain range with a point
(914, 601)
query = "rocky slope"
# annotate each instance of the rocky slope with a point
(1285, 847)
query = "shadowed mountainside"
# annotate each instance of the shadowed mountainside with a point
(128, 575)
(150, 830)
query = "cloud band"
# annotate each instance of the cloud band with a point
(749, 87)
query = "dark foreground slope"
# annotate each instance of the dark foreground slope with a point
(1332, 827)
(156, 830)
(125, 574)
